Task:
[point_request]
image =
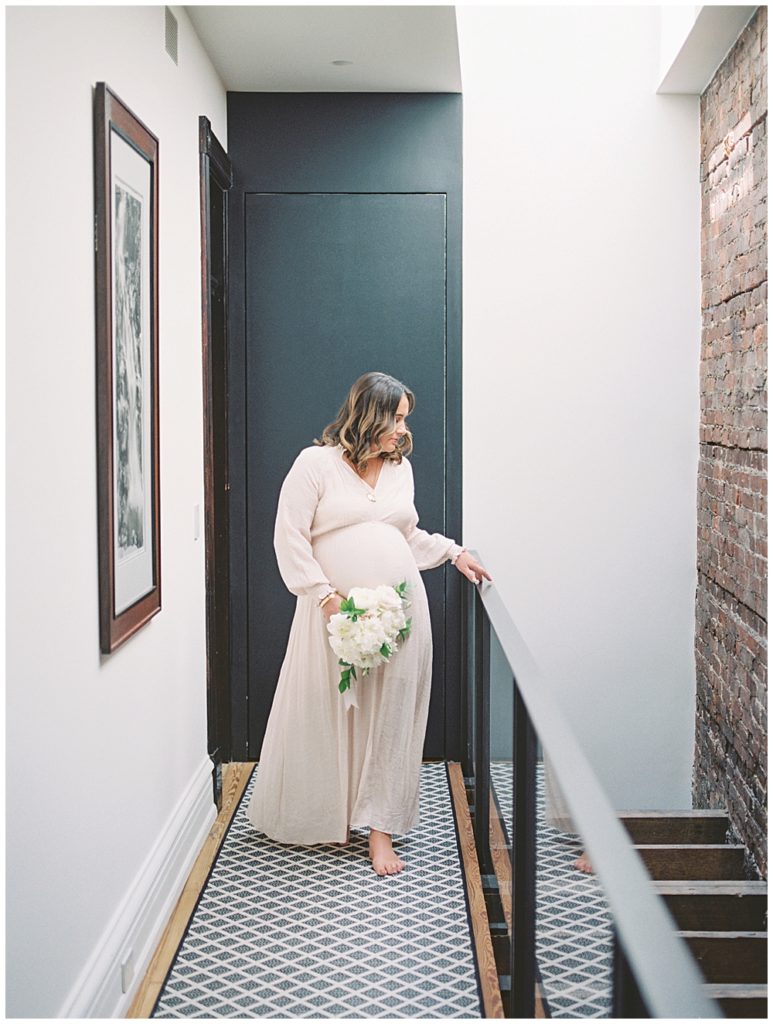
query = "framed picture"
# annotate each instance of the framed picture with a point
(126, 246)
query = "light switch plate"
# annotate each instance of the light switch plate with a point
(127, 971)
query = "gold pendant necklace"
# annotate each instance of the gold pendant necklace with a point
(371, 492)
(371, 495)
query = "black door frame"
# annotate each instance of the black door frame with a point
(215, 173)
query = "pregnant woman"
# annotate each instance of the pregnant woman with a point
(346, 518)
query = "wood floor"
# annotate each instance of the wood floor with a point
(235, 778)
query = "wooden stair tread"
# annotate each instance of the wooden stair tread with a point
(729, 957)
(742, 1001)
(693, 826)
(695, 934)
(704, 886)
(689, 846)
(719, 990)
(716, 905)
(690, 862)
(697, 812)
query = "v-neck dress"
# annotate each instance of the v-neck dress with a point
(323, 768)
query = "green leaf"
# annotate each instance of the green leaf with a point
(343, 686)
(385, 650)
(353, 672)
(348, 608)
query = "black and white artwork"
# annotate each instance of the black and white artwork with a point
(131, 379)
(130, 480)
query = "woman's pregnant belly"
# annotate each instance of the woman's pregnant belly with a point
(365, 555)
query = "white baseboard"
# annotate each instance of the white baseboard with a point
(140, 919)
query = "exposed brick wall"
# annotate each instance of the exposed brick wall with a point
(730, 768)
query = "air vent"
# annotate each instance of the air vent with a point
(170, 33)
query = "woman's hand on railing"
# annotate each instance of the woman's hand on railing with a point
(468, 567)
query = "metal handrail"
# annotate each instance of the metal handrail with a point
(667, 977)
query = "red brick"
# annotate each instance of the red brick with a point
(731, 599)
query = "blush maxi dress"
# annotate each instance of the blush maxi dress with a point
(323, 767)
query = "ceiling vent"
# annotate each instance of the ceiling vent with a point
(170, 23)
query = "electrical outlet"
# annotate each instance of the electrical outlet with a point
(127, 971)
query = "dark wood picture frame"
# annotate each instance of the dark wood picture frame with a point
(126, 258)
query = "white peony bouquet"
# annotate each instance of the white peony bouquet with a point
(368, 629)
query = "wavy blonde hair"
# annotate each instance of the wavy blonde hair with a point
(367, 414)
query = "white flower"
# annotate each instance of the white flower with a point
(377, 629)
(388, 597)
(364, 598)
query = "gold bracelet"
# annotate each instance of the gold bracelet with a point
(325, 600)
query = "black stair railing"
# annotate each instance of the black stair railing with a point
(653, 971)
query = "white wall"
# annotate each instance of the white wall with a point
(581, 352)
(102, 751)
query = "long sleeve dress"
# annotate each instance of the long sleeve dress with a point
(323, 768)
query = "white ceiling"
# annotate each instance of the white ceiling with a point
(290, 49)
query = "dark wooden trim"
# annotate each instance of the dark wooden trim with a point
(219, 161)
(215, 169)
(111, 114)
(484, 950)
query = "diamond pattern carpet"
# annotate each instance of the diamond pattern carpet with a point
(574, 927)
(312, 931)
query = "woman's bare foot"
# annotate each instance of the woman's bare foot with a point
(385, 860)
(583, 864)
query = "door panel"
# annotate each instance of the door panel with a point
(337, 284)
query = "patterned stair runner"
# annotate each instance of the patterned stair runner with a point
(294, 931)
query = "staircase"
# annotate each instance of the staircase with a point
(720, 913)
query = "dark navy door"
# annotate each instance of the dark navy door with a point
(335, 282)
